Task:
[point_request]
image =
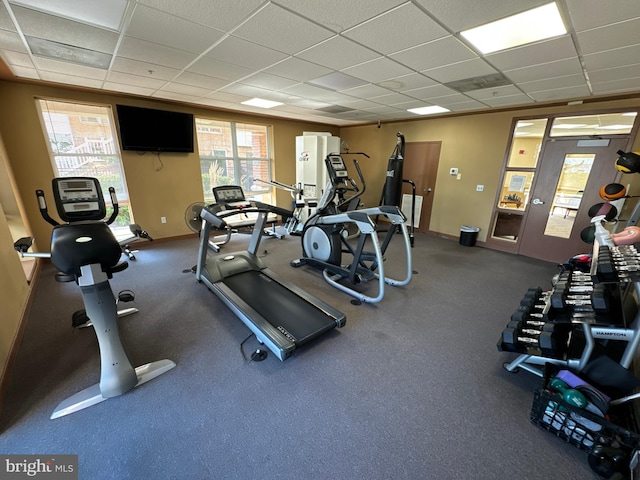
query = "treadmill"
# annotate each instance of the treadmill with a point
(282, 316)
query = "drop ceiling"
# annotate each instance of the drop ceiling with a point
(331, 61)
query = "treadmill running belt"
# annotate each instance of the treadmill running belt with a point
(280, 306)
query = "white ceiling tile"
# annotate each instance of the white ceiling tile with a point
(558, 68)
(271, 82)
(25, 72)
(612, 58)
(324, 53)
(185, 89)
(144, 51)
(611, 74)
(392, 99)
(135, 80)
(554, 83)
(166, 29)
(459, 71)
(465, 106)
(66, 68)
(307, 103)
(143, 69)
(60, 30)
(361, 104)
(309, 91)
(5, 20)
(407, 82)
(560, 93)
(277, 28)
(297, 69)
(610, 37)
(454, 99)
(587, 14)
(493, 92)
(339, 15)
(228, 97)
(426, 93)
(508, 100)
(398, 29)
(216, 68)
(334, 97)
(434, 54)
(17, 59)
(222, 15)
(616, 86)
(246, 90)
(367, 91)
(241, 52)
(559, 48)
(129, 88)
(202, 81)
(179, 97)
(95, 12)
(65, 78)
(11, 41)
(377, 70)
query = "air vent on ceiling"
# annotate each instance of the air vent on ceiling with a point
(335, 109)
(478, 83)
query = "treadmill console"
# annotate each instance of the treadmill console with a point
(231, 196)
(78, 199)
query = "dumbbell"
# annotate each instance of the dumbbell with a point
(542, 339)
(570, 395)
(524, 313)
(538, 325)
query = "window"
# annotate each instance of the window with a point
(82, 143)
(234, 154)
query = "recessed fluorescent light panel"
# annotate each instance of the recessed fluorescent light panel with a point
(68, 53)
(428, 110)
(96, 12)
(526, 27)
(260, 102)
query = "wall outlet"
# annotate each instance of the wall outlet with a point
(453, 171)
(459, 176)
(163, 219)
(479, 188)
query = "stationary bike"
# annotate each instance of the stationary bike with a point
(325, 237)
(85, 250)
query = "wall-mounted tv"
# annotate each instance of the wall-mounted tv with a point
(147, 129)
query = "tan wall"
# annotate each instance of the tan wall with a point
(155, 189)
(475, 144)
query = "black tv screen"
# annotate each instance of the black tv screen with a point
(147, 129)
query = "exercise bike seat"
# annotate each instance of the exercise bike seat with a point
(84, 243)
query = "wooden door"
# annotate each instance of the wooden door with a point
(421, 166)
(568, 183)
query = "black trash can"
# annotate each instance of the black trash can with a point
(468, 235)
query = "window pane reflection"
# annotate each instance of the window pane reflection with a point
(515, 189)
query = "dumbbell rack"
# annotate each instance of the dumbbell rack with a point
(615, 274)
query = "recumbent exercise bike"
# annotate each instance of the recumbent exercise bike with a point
(85, 250)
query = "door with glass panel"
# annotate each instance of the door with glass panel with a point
(568, 181)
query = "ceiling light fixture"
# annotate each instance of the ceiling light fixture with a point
(527, 27)
(262, 103)
(428, 110)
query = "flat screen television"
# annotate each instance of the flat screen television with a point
(151, 130)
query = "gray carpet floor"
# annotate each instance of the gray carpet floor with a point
(410, 388)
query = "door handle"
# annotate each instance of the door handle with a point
(427, 190)
(537, 201)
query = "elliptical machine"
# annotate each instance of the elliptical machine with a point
(85, 250)
(325, 235)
